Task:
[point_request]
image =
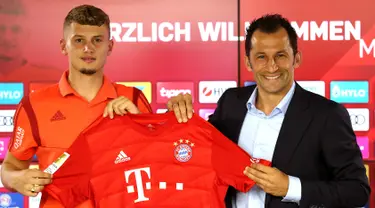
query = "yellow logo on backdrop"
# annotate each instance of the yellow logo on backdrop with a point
(145, 87)
(367, 172)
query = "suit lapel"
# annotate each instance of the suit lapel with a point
(296, 120)
(239, 111)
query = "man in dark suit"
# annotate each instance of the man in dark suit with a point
(309, 139)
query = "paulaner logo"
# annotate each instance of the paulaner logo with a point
(349, 91)
(11, 93)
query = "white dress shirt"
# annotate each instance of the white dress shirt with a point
(258, 137)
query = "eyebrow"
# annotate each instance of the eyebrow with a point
(81, 36)
(259, 53)
(77, 36)
(262, 53)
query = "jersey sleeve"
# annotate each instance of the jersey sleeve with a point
(71, 182)
(22, 144)
(229, 162)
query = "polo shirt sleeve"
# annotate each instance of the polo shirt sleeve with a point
(136, 96)
(22, 144)
(142, 102)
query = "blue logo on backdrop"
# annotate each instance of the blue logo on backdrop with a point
(10, 200)
(11, 93)
(248, 83)
(349, 91)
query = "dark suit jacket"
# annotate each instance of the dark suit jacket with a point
(316, 143)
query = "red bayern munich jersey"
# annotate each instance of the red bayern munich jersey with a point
(151, 160)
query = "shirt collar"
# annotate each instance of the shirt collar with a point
(108, 89)
(282, 106)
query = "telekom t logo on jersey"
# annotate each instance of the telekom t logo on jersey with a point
(140, 183)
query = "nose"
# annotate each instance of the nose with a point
(89, 48)
(272, 66)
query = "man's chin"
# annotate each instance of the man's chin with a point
(272, 89)
(88, 71)
(275, 89)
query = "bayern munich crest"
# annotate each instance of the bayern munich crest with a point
(183, 150)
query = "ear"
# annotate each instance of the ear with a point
(110, 46)
(248, 63)
(297, 59)
(63, 47)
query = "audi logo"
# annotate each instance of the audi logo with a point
(357, 119)
(6, 120)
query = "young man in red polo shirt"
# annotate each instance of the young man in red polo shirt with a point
(48, 121)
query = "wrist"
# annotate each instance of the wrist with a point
(14, 178)
(287, 186)
(10, 179)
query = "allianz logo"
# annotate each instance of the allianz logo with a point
(337, 92)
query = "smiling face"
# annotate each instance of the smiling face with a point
(272, 61)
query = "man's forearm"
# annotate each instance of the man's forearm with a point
(9, 173)
(11, 170)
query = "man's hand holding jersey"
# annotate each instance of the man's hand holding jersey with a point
(30, 182)
(181, 105)
(120, 106)
(270, 179)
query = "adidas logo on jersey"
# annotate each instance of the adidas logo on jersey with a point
(58, 116)
(121, 157)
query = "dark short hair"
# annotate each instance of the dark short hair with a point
(87, 15)
(271, 23)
